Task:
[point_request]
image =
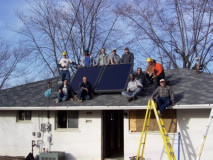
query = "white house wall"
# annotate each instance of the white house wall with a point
(82, 143)
(85, 142)
(191, 124)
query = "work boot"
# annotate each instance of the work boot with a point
(130, 99)
(160, 113)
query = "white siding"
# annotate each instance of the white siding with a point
(191, 123)
(83, 143)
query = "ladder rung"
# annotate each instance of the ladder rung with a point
(169, 144)
(172, 153)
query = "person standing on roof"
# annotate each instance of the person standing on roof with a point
(85, 92)
(103, 58)
(65, 92)
(158, 73)
(164, 96)
(64, 64)
(114, 57)
(87, 60)
(133, 89)
(127, 57)
(149, 67)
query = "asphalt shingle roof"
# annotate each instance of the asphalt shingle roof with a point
(189, 88)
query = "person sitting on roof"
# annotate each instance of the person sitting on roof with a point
(140, 75)
(158, 73)
(64, 64)
(133, 89)
(85, 92)
(103, 58)
(164, 96)
(127, 57)
(114, 57)
(87, 60)
(65, 92)
(49, 91)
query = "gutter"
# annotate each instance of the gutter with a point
(192, 106)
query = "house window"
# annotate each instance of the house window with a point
(67, 119)
(136, 121)
(24, 116)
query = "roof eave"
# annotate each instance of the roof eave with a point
(191, 106)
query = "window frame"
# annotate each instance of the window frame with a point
(67, 122)
(23, 120)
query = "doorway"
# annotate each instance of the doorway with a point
(113, 134)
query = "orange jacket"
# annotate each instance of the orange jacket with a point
(158, 68)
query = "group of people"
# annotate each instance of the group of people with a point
(105, 59)
(85, 91)
(67, 93)
(154, 74)
(88, 60)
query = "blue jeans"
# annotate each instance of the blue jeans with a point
(65, 74)
(131, 94)
(82, 94)
(163, 103)
(62, 97)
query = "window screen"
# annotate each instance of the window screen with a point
(24, 115)
(72, 119)
(67, 119)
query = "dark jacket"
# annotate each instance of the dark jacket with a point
(127, 58)
(141, 77)
(70, 91)
(86, 85)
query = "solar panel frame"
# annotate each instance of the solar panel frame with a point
(86, 71)
(100, 82)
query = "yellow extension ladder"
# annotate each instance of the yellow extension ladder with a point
(169, 149)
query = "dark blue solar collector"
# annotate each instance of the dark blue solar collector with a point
(114, 78)
(92, 73)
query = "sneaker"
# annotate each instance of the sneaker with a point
(130, 99)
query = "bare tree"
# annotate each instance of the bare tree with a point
(51, 27)
(180, 31)
(10, 57)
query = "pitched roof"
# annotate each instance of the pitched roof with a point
(189, 88)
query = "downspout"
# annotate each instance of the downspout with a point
(179, 143)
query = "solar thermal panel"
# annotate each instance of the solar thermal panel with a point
(114, 78)
(92, 73)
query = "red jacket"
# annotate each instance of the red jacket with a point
(158, 69)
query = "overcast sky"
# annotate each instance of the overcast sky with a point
(8, 19)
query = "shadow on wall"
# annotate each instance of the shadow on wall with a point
(69, 156)
(187, 141)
